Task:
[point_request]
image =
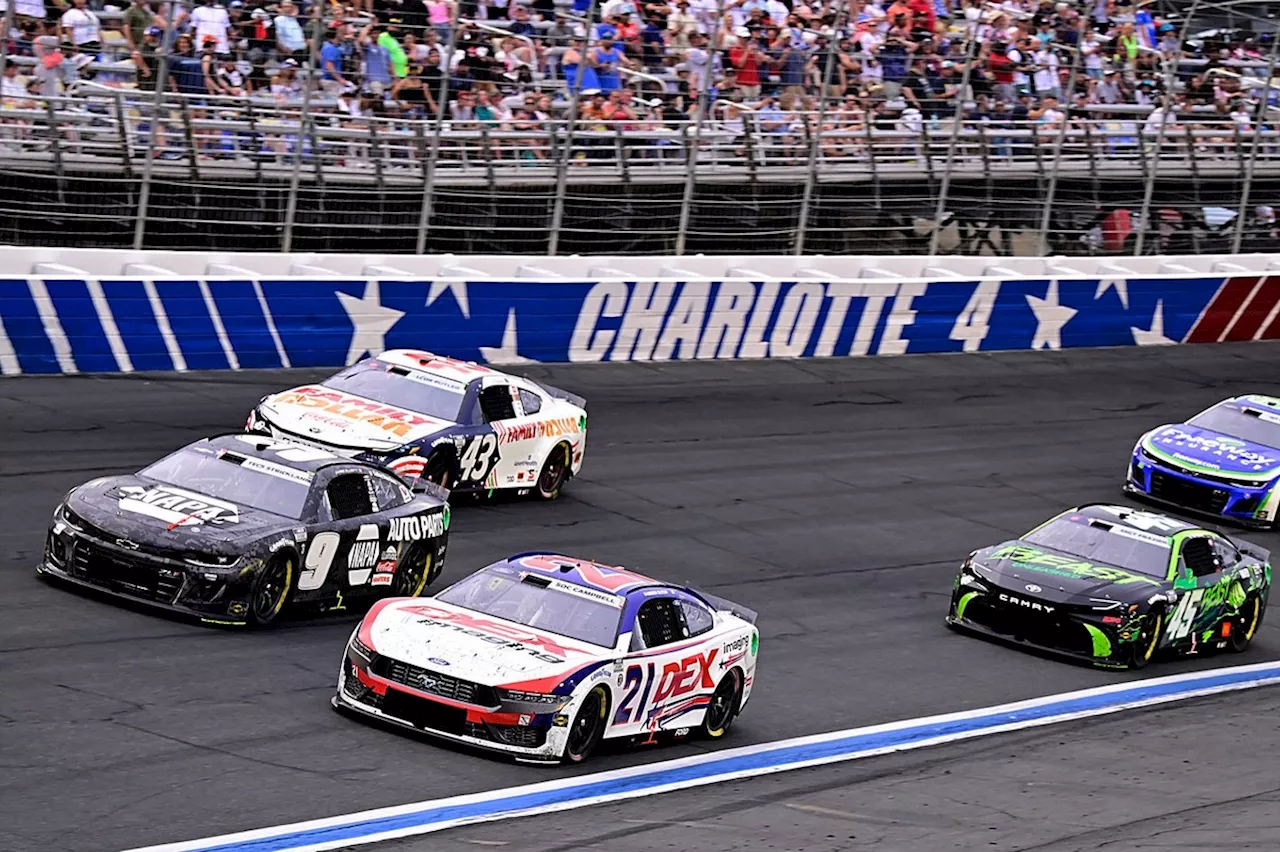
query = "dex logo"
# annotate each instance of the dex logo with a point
(685, 676)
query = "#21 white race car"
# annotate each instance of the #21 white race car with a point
(461, 425)
(543, 657)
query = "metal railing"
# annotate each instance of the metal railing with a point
(87, 153)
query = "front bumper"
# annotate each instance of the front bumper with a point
(1064, 633)
(213, 596)
(538, 739)
(1248, 505)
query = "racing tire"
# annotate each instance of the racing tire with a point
(441, 469)
(587, 729)
(723, 708)
(555, 472)
(1144, 646)
(416, 571)
(1247, 624)
(271, 589)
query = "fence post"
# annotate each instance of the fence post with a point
(1263, 108)
(691, 161)
(969, 59)
(1166, 103)
(815, 149)
(314, 76)
(433, 154)
(157, 107)
(1062, 137)
(125, 162)
(566, 150)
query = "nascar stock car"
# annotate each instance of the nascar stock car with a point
(543, 657)
(1114, 585)
(1225, 462)
(461, 425)
(235, 528)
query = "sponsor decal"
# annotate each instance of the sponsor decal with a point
(126, 544)
(525, 719)
(560, 720)
(386, 565)
(1034, 559)
(615, 601)
(681, 678)
(176, 506)
(279, 543)
(1033, 588)
(1022, 602)
(280, 471)
(736, 645)
(604, 577)
(437, 661)
(380, 580)
(555, 427)
(342, 409)
(507, 636)
(1171, 439)
(418, 527)
(364, 554)
(237, 608)
(682, 732)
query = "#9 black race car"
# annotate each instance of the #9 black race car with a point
(237, 528)
(1113, 586)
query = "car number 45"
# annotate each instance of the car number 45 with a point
(1185, 614)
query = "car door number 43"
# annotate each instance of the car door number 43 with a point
(478, 458)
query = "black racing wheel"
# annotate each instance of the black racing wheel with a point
(724, 705)
(271, 588)
(555, 470)
(588, 726)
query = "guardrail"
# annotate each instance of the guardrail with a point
(61, 321)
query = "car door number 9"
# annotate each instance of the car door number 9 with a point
(319, 559)
(478, 459)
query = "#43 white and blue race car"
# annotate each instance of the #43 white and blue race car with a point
(460, 425)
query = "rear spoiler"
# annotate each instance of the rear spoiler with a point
(571, 398)
(1251, 549)
(721, 605)
(426, 486)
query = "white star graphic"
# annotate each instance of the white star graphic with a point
(1120, 285)
(1051, 316)
(459, 291)
(508, 353)
(1153, 336)
(371, 321)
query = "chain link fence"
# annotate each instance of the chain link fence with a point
(114, 169)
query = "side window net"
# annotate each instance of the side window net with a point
(349, 497)
(495, 403)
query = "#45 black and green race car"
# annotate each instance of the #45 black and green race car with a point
(1115, 586)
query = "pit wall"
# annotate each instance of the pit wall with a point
(68, 311)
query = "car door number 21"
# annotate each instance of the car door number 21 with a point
(478, 458)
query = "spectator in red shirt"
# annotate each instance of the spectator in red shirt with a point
(745, 57)
(924, 15)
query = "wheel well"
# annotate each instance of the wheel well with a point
(742, 686)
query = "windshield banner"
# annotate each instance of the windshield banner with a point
(62, 325)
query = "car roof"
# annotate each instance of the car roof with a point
(611, 579)
(1137, 519)
(452, 369)
(279, 451)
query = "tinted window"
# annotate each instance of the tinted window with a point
(551, 605)
(349, 496)
(1232, 421)
(412, 390)
(495, 402)
(696, 618)
(1100, 544)
(659, 622)
(390, 493)
(531, 402)
(221, 475)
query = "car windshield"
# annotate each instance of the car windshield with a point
(1229, 420)
(268, 487)
(412, 390)
(554, 606)
(1108, 544)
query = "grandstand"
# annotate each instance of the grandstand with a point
(627, 126)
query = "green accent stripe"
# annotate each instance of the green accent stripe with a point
(1101, 644)
(964, 602)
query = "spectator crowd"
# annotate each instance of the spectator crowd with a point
(644, 64)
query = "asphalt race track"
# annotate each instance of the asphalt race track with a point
(835, 497)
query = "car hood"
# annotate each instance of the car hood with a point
(146, 512)
(1052, 575)
(1213, 451)
(492, 651)
(347, 420)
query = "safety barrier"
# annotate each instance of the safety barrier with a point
(282, 311)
